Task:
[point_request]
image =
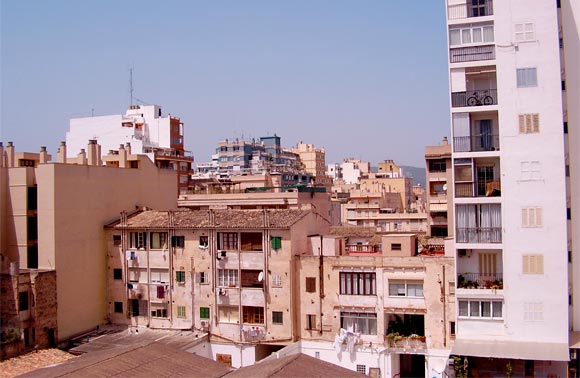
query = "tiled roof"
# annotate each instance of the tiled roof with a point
(151, 360)
(237, 219)
(297, 365)
(353, 231)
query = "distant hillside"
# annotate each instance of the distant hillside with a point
(417, 173)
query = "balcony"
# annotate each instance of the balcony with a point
(362, 248)
(482, 188)
(472, 8)
(474, 98)
(471, 54)
(480, 281)
(478, 235)
(476, 143)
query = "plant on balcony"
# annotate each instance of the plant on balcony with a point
(394, 339)
(10, 336)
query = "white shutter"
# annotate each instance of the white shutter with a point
(525, 222)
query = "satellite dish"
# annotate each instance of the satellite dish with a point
(261, 277)
(444, 187)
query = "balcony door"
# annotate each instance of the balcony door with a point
(488, 266)
(483, 131)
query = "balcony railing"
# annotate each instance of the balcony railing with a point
(480, 281)
(479, 9)
(394, 340)
(474, 98)
(470, 54)
(485, 188)
(478, 235)
(476, 143)
(363, 248)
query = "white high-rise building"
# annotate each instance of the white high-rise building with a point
(514, 80)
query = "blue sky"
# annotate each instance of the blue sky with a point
(366, 79)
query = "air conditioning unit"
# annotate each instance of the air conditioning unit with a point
(205, 325)
(462, 252)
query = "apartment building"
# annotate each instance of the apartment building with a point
(52, 216)
(513, 69)
(314, 162)
(148, 132)
(228, 272)
(439, 189)
(383, 311)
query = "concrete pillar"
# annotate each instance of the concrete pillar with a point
(122, 157)
(10, 155)
(43, 155)
(92, 152)
(128, 148)
(82, 157)
(1, 155)
(61, 153)
(99, 157)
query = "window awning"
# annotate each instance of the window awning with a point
(512, 349)
(437, 207)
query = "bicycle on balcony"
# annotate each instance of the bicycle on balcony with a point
(480, 98)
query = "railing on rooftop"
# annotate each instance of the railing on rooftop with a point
(476, 143)
(470, 54)
(363, 248)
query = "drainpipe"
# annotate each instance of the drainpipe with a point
(444, 306)
(321, 274)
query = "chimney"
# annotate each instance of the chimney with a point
(99, 157)
(10, 155)
(43, 155)
(1, 155)
(128, 148)
(92, 152)
(82, 157)
(122, 157)
(445, 141)
(61, 153)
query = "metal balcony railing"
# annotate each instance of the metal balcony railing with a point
(478, 235)
(363, 248)
(474, 8)
(484, 188)
(476, 143)
(476, 97)
(470, 54)
(480, 281)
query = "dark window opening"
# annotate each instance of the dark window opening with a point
(310, 284)
(117, 274)
(32, 257)
(116, 239)
(23, 301)
(32, 194)
(118, 307)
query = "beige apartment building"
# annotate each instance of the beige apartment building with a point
(228, 272)
(314, 162)
(52, 215)
(382, 311)
(439, 189)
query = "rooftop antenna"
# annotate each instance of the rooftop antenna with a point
(131, 84)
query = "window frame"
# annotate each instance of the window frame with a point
(228, 278)
(407, 284)
(310, 284)
(358, 283)
(204, 313)
(278, 317)
(180, 276)
(359, 317)
(276, 242)
(475, 309)
(525, 34)
(526, 77)
(118, 307)
(117, 273)
(228, 241)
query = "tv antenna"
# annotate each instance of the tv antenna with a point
(131, 84)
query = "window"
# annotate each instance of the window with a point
(358, 283)
(363, 322)
(524, 32)
(276, 280)
(137, 239)
(253, 315)
(178, 241)
(311, 284)
(526, 77)
(228, 240)
(227, 277)
(138, 307)
(533, 264)
(395, 246)
(116, 239)
(32, 228)
(531, 171)
(310, 321)
(138, 275)
(437, 166)
(158, 310)
(181, 311)
(480, 309)
(203, 278)
(180, 276)
(158, 240)
(565, 127)
(276, 242)
(533, 312)
(161, 275)
(361, 369)
(118, 307)
(229, 314)
(23, 301)
(32, 198)
(204, 241)
(203, 312)
(117, 274)
(251, 241)
(224, 359)
(470, 34)
(531, 217)
(277, 317)
(529, 123)
(400, 288)
(452, 329)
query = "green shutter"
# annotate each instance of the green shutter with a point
(276, 242)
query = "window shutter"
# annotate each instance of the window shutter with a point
(522, 122)
(535, 123)
(540, 264)
(525, 264)
(538, 220)
(525, 218)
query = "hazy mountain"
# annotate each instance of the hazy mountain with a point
(417, 173)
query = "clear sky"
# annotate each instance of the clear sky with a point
(365, 79)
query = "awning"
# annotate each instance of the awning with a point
(512, 349)
(437, 207)
(575, 340)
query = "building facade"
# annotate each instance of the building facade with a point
(509, 63)
(439, 189)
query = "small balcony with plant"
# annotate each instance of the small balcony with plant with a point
(479, 269)
(406, 331)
